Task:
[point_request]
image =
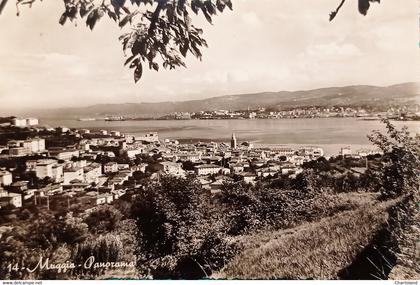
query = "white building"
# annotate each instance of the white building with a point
(19, 122)
(131, 153)
(64, 154)
(311, 152)
(10, 199)
(103, 199)
(31, 121)
(115, 133)
(46, 168)
(149, 137)
(191, 156)
(345, 151)
(73, 174)
(35, 145)
(92, 173)
(84, 131)
(111, 167)
(207, 169)
(18, 151)
(237, 168)
(173, 168)
(6, 178)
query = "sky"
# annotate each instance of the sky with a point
(262, 45)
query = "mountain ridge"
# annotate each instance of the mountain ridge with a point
(352, 95)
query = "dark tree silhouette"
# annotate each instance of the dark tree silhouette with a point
(364, 6)
(161, 32)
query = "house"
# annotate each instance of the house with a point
(18, 151)
(19, 122)
(267, 172)
(237, 168)
(10, 199)
(92, 172)
(50, 189)
(131, 153)
(172, 168)
(6, 178)
(346, 151)
(297, 159)
(34, 145)
(111, 167)
(312, 152)
(225, 171)
(193, 157)
(46, 168)
(103, 199)
(249, 178)
(72, 174)
(123, 166)
(288, 168)
(115, 133)
(149, 137)
(205, 183)
(76, 185)
(64, 154)
(19, 186)
(207, 169)
(31, 121)
(284, 151)
(216, 186)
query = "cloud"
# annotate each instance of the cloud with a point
(251, 19)
(332, 50)
(262, 45)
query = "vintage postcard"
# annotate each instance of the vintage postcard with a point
(209, 140)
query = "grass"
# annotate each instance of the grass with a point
(317, 250)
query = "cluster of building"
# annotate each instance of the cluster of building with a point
(19, 122)
(98, 166)
(298, 112)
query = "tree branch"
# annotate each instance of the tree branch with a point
(334, 13)
(2, 5)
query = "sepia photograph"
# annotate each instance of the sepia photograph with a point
(209, 140)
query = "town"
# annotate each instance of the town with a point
(402, 113)
(52, 167)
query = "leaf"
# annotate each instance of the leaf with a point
(91, 19)
(364, 5)
(138, 72)
(63, 19)
(129, 59)
(135, 63)
(127, 19)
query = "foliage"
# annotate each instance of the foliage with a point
(248, 208)
(154, 167)
(172, 225)
(161, 32)
(103, 219)
(401, 164)
(363, 6)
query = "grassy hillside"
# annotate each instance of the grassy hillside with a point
(317, 250)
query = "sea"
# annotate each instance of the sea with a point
(329, 133)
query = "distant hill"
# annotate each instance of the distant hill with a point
(358, 95)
